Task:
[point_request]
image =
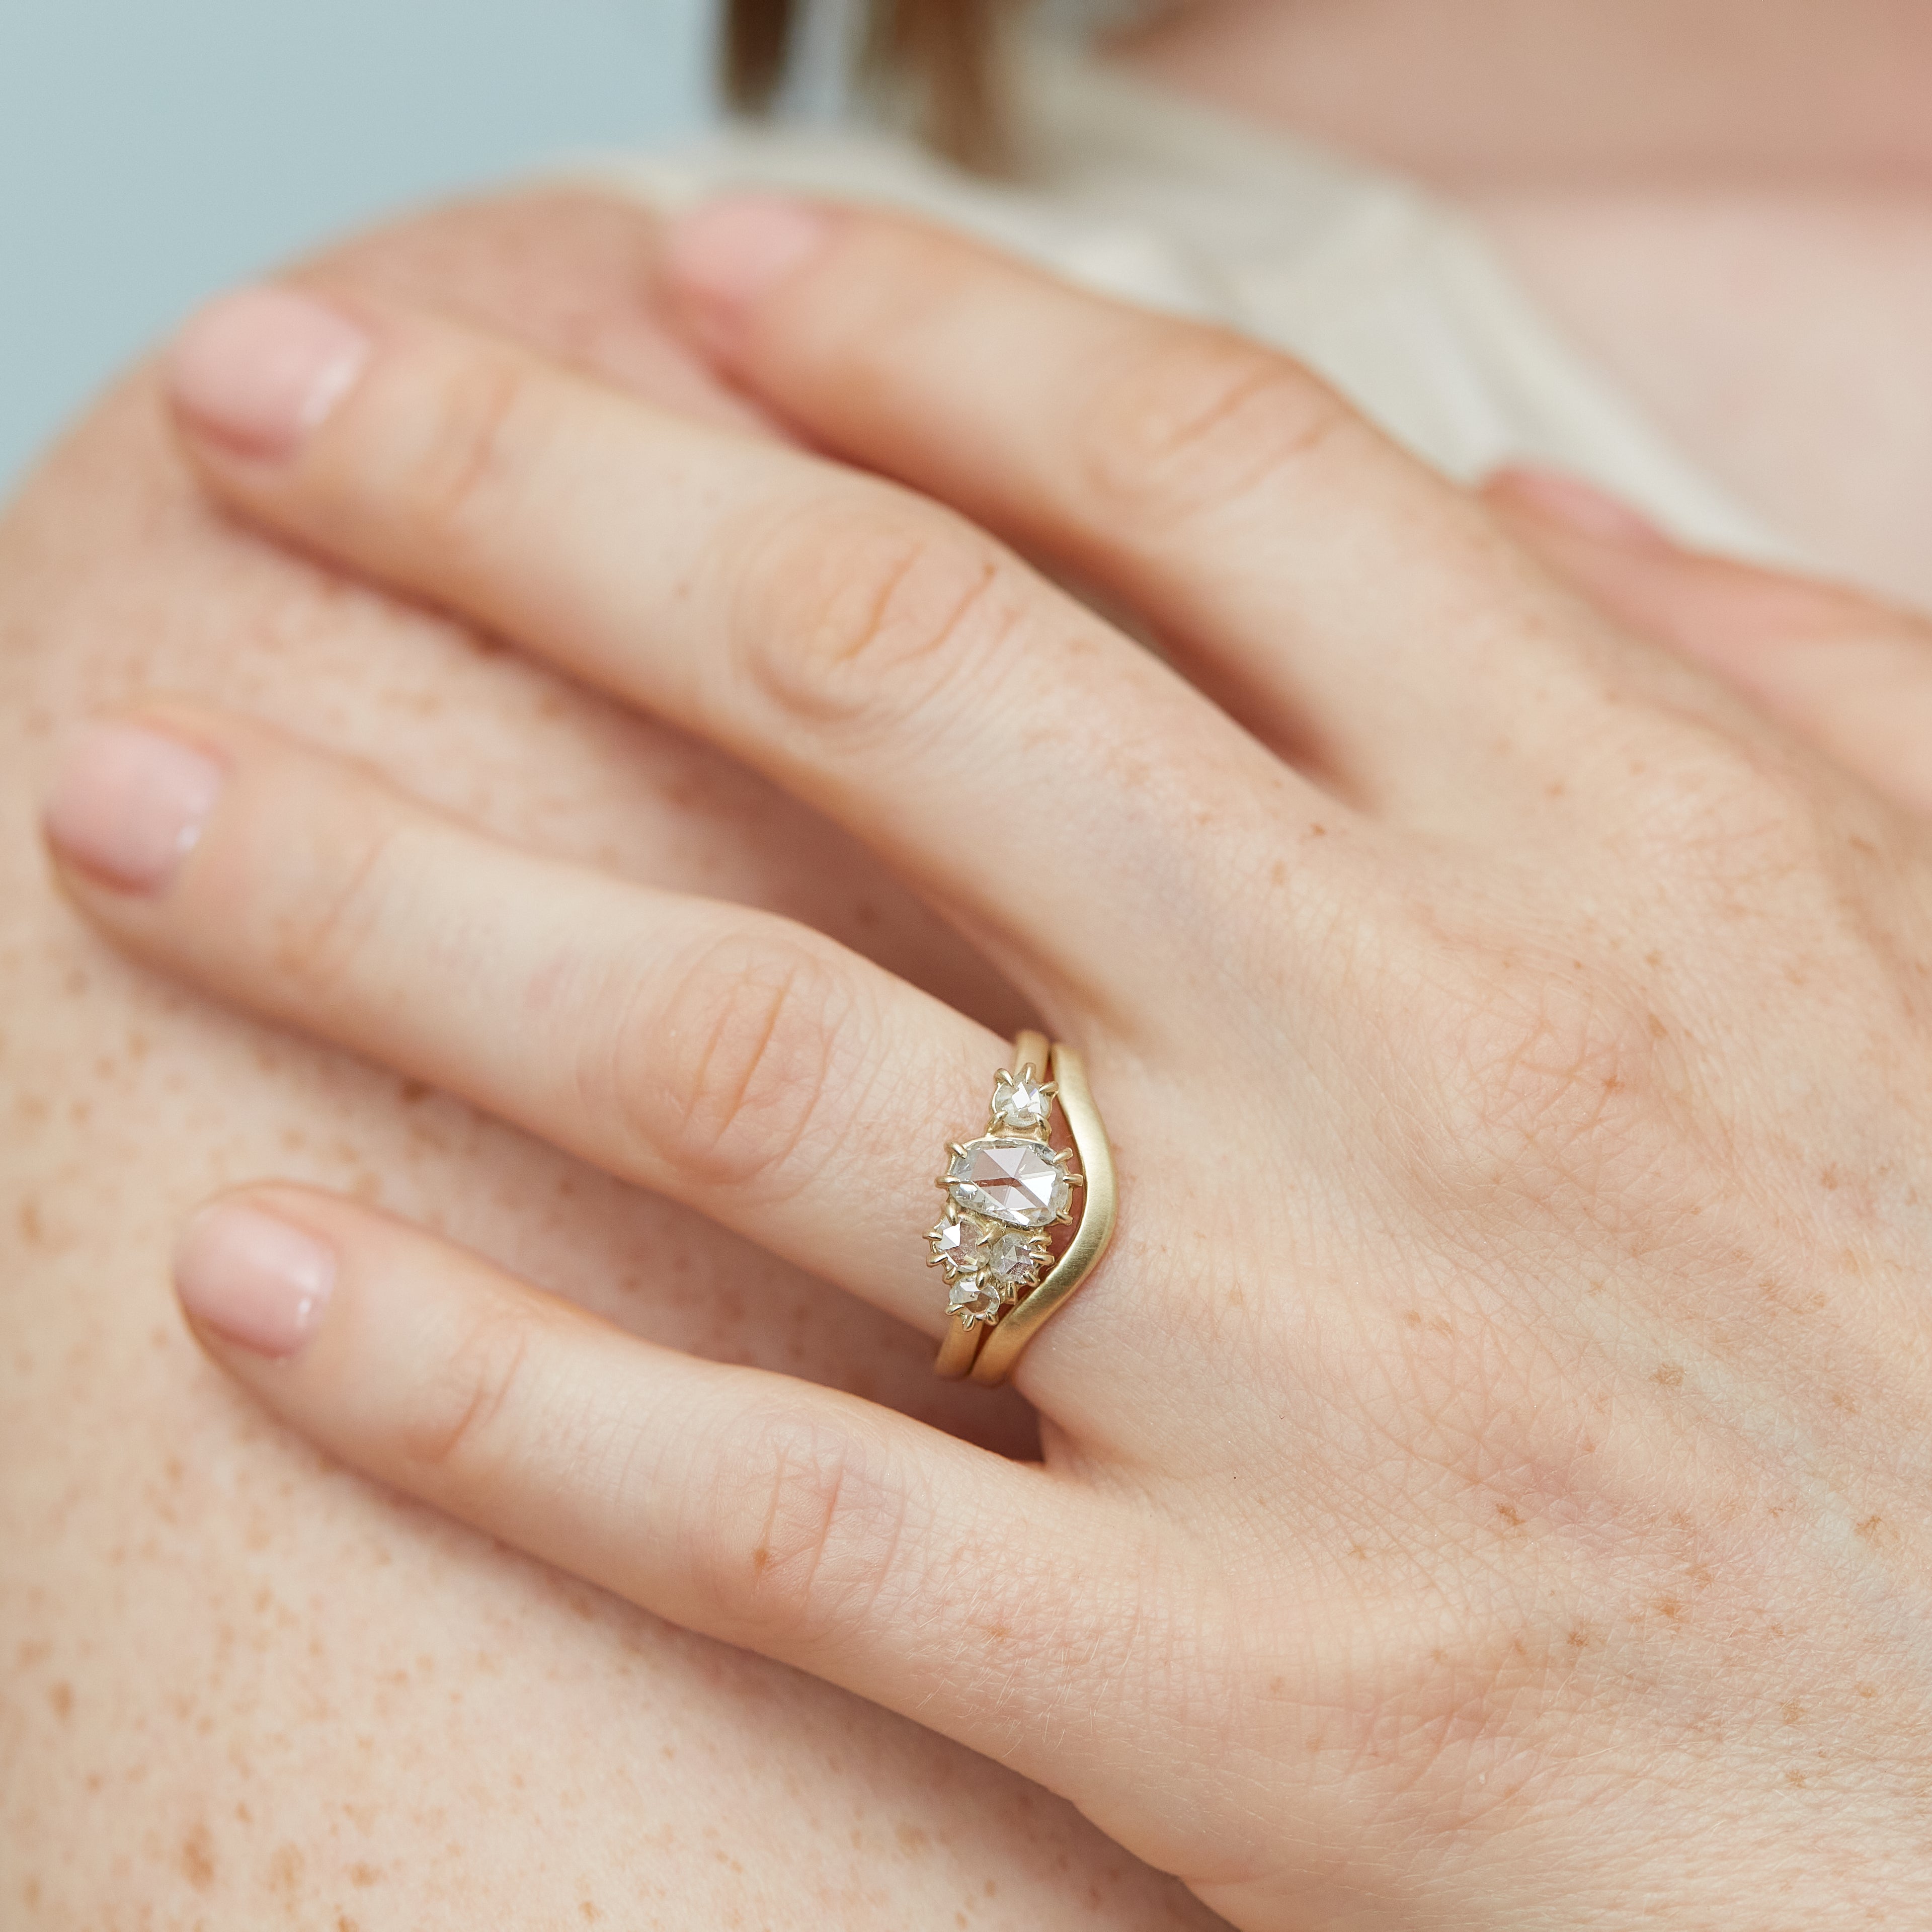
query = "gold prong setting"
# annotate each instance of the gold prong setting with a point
(1002, 1190)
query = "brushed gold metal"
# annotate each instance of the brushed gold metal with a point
(956, 1352)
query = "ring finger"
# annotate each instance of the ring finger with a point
(744, 1065)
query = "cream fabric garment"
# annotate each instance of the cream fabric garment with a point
(1394, 298)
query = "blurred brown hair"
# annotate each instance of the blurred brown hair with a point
(933, 60)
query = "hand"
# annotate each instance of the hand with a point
(1846, 672)
(187, 1588)
(1484, 1484)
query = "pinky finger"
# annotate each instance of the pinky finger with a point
(797, 1521)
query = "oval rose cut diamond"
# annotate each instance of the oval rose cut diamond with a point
(1014, 1181)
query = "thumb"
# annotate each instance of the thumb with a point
(1851, 675)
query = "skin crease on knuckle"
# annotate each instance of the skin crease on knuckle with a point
(723, 1081)
(276, 1692)
(854, 617)
(1185, 424)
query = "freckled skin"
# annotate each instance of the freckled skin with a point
(240, 1687)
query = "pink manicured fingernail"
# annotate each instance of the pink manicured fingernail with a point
(1578, 506)
(255, 1280)
(730, 252)
(262, 369)
(129, 804)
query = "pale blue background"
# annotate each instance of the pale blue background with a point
(151, 151)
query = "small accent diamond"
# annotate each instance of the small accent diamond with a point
(974, 1298)
(1022, 1100)
(1015, 1260)
(958, 1244)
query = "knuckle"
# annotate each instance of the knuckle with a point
(801, 1529)
(1548, 1083)
(454, 1434)
(723, 1081)
(322, 940)
(465, 474)
(1726, 812)
(1194, 420)
(858, 615)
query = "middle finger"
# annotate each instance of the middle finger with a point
(742, 1064)
(1041, 778)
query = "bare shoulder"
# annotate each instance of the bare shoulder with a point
(241, 1686)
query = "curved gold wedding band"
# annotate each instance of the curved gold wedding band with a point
(1002, 1191)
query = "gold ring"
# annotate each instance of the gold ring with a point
(1004, 1191)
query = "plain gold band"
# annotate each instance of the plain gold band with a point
(962, 1344)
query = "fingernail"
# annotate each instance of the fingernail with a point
(129, 806)
(1582, 507)
(261, 370)
(255, 1280)
(730, 252)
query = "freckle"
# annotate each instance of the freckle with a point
(1793, 1713)
(285, 1868)
(1874, 1530)
(1796, 1778)
(32, 1230)
(1867, 1690)
(761, 1557)
(1414, 1318)
(591, 1914)
(1580, 1639)
(1356, 1550)
(992, 1889)
(1828, 1179)
(912, 1840)
(343, 1923)
(1556, 788)
(365, 1875)
(197, 1858)
(1658, 1031)
(1670, 1608)
(413, 1093)
(61, 1696)
(1318, 832)
(1509, 1516)
(1653, 959)
(1841, 1400)
(1669, 1376)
